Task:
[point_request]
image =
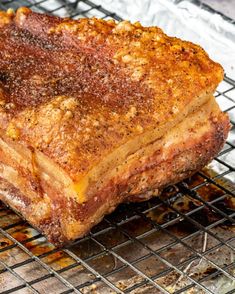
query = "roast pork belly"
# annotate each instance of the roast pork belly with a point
(94, 113)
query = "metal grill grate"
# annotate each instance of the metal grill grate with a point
(182, 241)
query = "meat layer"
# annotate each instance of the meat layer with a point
(176, 155)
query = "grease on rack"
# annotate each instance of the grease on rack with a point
(184, 202)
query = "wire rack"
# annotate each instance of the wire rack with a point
(181, 242)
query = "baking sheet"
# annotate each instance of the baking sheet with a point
(103, 250)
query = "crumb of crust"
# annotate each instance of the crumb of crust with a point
(12, 131)
(6, 17)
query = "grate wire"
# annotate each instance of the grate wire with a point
(135, 213)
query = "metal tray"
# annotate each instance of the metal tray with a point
(181, 242)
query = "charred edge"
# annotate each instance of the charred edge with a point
(52, 229)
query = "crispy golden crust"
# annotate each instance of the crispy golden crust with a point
(78, 89)
(94, 113)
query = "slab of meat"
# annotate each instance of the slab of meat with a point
(94, 113)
